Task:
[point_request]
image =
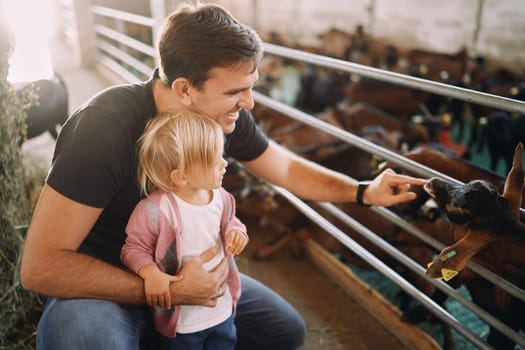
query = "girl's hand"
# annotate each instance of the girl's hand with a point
(236, 241)
(157, 286)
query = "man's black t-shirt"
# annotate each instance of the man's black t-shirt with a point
(95, 161)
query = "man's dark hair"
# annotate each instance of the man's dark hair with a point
(198, 38)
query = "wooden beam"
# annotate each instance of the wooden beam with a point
(380, 308)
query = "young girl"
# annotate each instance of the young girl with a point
(185, 212)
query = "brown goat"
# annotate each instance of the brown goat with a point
(486, 226)
(483, 220)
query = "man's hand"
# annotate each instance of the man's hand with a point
(389, 188)
(198, 286)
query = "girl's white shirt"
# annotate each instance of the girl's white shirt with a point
(201, 231)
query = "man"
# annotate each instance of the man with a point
(208, 63)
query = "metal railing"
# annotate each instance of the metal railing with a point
(425, 172)
(115, 56)
(463, 94)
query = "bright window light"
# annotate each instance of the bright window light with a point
(31, 22)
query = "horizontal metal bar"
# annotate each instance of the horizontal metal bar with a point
(124, 39)
(125, 57)
(122, 15)
(381, 267)
(475, 267)
(415, 267)
(467, 95)
(414, 167)
(351, 138)
(418, 269)
(117, 68)
(355, 140)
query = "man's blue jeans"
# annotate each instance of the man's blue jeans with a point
(264, 320)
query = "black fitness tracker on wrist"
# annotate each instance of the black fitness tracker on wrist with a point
(361, 187)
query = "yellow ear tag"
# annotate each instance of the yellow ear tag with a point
(269, 203)
(437, 278)
(448, 274)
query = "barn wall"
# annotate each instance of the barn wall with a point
(493, 28)
(502, 33)
(443, 26)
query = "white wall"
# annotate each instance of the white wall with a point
(502, 32)
(443, 26)
(493, 28)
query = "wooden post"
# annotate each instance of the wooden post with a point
(380, 308)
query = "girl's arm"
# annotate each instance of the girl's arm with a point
(157, 285)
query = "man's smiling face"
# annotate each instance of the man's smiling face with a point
(226, 91)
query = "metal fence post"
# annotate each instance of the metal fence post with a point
(84, 47)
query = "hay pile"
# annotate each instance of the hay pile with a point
(19, 309)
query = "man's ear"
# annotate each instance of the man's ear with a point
(178, 178)
(182, 87)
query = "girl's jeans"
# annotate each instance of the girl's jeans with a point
(220, 337)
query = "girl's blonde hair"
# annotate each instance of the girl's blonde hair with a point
(176, 139)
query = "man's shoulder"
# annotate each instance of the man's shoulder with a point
(122, 109)
(123, 96)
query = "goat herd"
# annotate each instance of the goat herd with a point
(479, 220)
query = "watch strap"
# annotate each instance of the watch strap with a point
(361, 187)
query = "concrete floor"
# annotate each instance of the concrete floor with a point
(333, 319)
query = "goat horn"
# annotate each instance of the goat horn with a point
(514, 182)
